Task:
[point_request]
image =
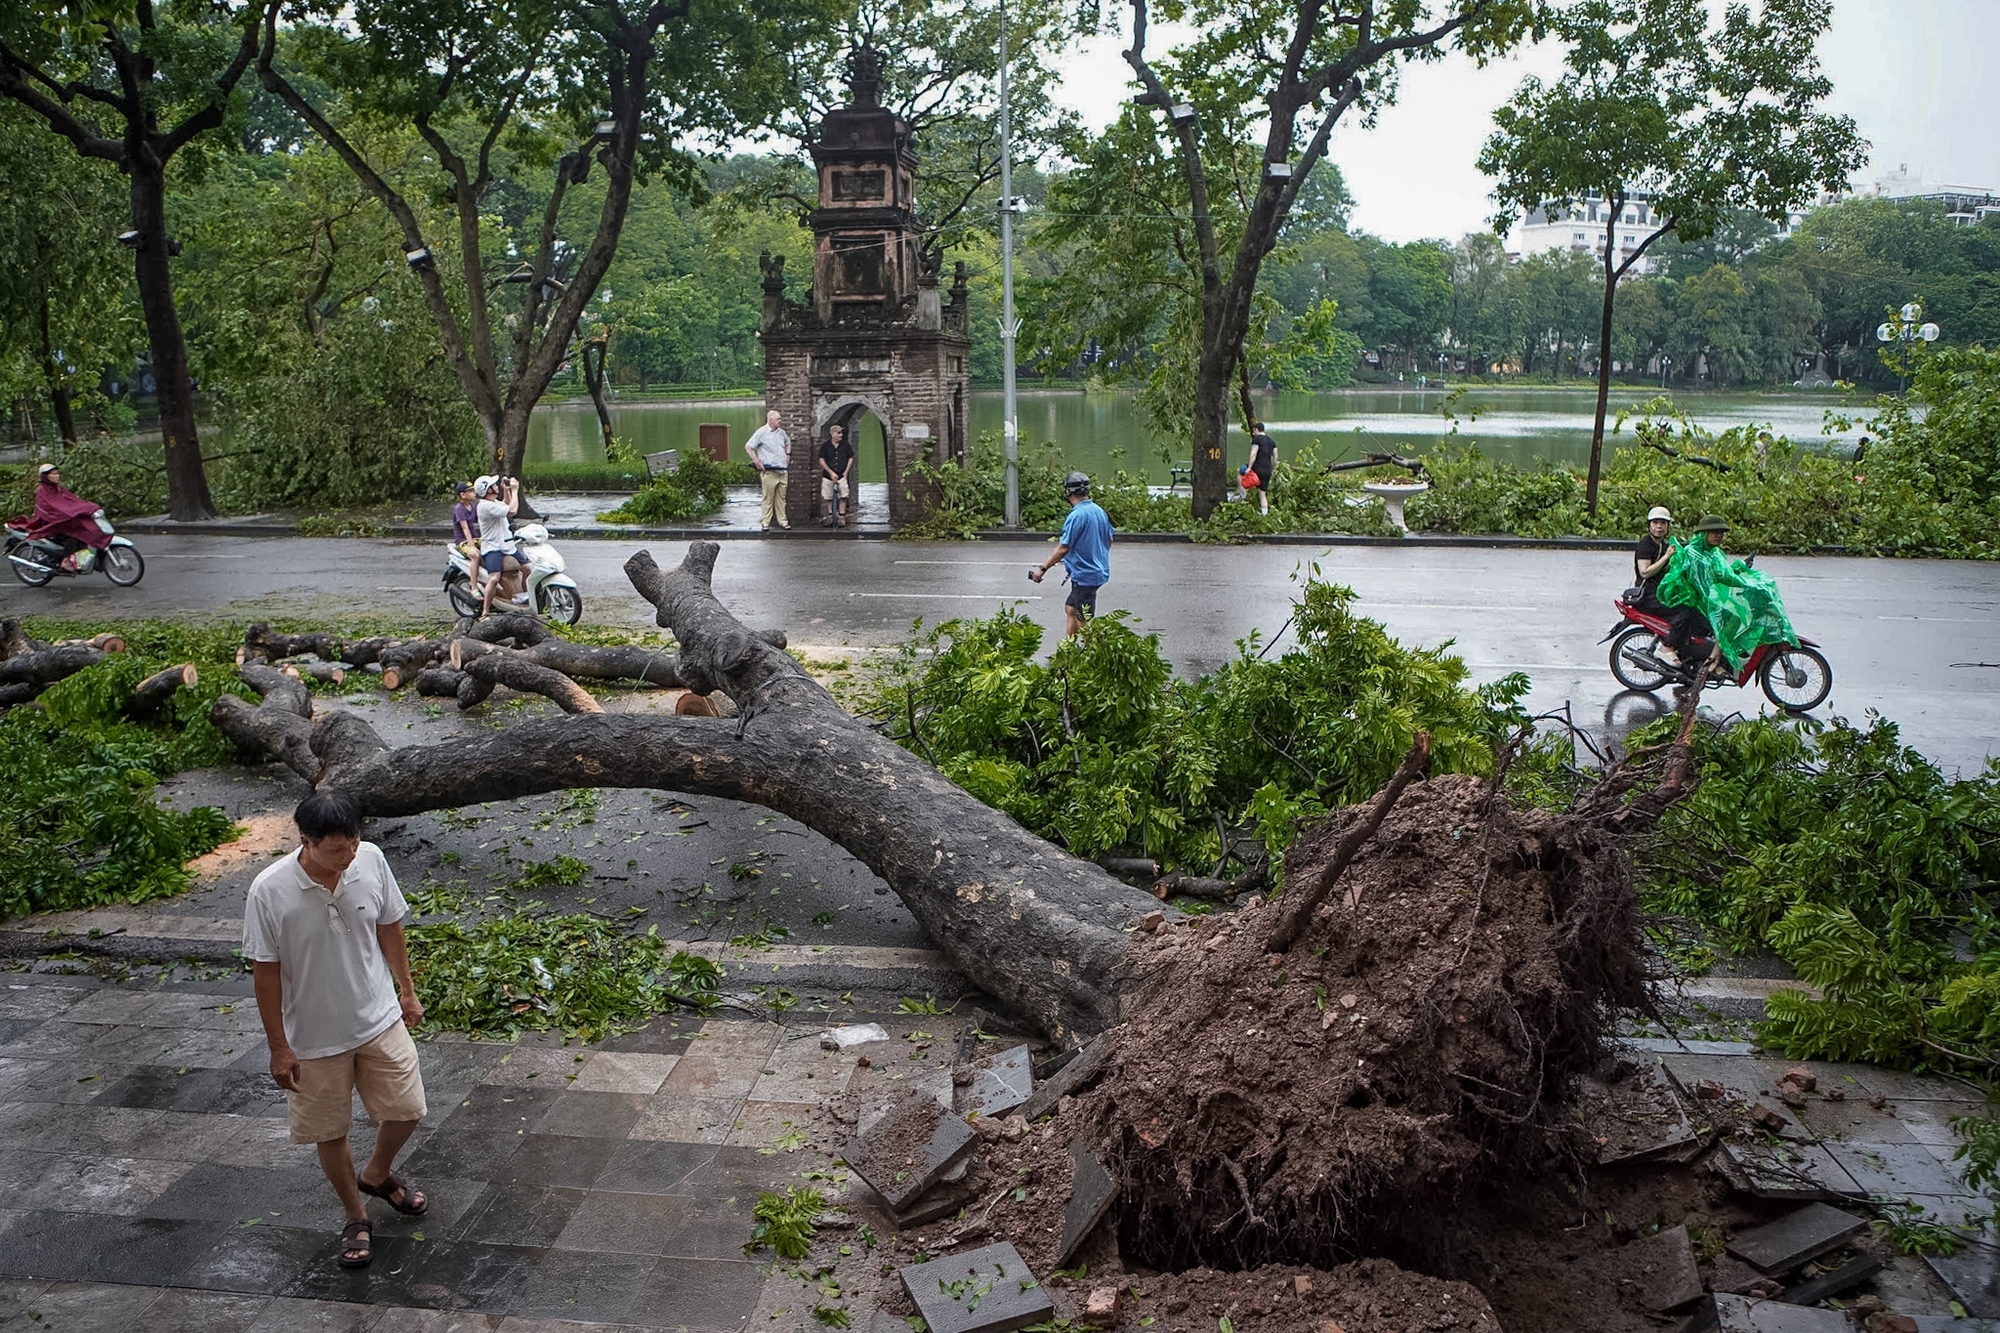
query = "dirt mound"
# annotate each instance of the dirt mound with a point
(1331, 1101)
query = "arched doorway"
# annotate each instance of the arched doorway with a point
(863, 421)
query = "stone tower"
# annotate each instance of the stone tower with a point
(876, 334)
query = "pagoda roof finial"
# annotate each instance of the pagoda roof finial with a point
(864, 76)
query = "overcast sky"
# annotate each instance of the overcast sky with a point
(1916, 75)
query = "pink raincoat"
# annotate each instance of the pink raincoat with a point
(61, 512)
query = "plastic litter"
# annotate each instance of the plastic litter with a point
(852, 1034)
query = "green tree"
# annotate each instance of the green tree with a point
(66, 316)
(132, 84)
(1286, 71)
(516, 106)
(1673, 120)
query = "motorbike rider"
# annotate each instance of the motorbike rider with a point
(1651, 558)
(499, 501)
(465, 522)
(66, 517)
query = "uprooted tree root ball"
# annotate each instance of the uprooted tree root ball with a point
(1331, 1100)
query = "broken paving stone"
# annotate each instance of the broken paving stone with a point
(1801, 1078)
(1798, 1172)
(1091, 1194)
(1842, 1279)
(1708, 1090)
(988, 1290)
(1662, 1266)
(1635, 1119)
(1766, 1118)
(1795, 1238)
(1741, 1314)
(1302, 1285)
(999, 1083)
(1083, 1068)
(941, 1201)
(910, 1148)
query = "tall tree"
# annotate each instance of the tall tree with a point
(516, 102)
(1292, 68)
(1666, 119)
(133, 85)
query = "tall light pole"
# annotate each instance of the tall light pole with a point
(1009, 325)
(1906, 332)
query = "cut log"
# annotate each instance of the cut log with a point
(157, 691)
(1215, 890)
(104, 643)
(505, 667)
(651, 666)
(14, 640)
(261, 643)
(268, 733)
(280, 691)
(327, 673)
(44, 668)
(439, 682)
(403, 661)
(525, 630)
(368, 652)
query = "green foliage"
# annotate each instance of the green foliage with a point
(339, 525)
(693, 490)
(1979, 1149)
(1918, 493)
(79, 822)
(785, 1222)
(1102, 749)
(574, 476)
(1865, 868)
(495, 974)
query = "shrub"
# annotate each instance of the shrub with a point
(1101, 748)
(694, 490)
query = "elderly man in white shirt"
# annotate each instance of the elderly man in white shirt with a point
(770, 450)
(323, 930)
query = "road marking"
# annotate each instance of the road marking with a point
(1363, 600)
(188, 555)
(965, 562)
(1942, 620)
(428, 587)
(957, 596)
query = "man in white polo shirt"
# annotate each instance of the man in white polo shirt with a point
(323, 929)
(770, 450)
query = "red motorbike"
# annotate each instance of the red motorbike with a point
(1795, 676)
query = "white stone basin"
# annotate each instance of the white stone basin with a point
(1393, 494)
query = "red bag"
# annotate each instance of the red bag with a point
(1248, 479)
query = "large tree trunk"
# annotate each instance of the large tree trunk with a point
(1028, 923)
(1209, 481)
(1603, 359)
(188, 499)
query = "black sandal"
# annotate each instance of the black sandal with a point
(393, 1185)
(357, 1238)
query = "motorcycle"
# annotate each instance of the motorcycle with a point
(1794, 676)
(38, 560)
(552, 594)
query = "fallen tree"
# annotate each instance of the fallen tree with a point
(1033, 926)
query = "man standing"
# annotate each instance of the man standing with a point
(1256, 474)
(1085, 551)
(770, 450)
(323, 929)
(836, 473)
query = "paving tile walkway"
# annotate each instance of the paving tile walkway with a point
(149, 1180)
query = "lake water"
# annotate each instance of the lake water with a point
(1101, 431)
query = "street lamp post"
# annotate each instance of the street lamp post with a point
(1665, 363)
(1009, 325)
(1906, 331)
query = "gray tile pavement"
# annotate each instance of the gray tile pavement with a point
(151, 1182)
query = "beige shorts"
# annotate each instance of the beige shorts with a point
(830, 487)
(384, 1071)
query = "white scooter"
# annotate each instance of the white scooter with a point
(552, 594)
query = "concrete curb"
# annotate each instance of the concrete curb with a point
(439, 533)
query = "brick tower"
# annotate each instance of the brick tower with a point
(875, 335)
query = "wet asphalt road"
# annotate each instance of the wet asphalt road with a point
(1895, 630)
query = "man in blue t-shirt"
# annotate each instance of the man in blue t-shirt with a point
(1085, 552)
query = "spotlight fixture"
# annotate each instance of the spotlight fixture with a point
(1181, 113)
(420, 260)
(606, 128)
(131, 240)
(1278, 171)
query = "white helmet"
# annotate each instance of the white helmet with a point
(1659, 511)
(532, 534)
(481, 485)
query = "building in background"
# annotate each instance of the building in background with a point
(1967, 205)
(1579, 227)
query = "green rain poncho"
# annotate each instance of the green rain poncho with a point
(1742, 604)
